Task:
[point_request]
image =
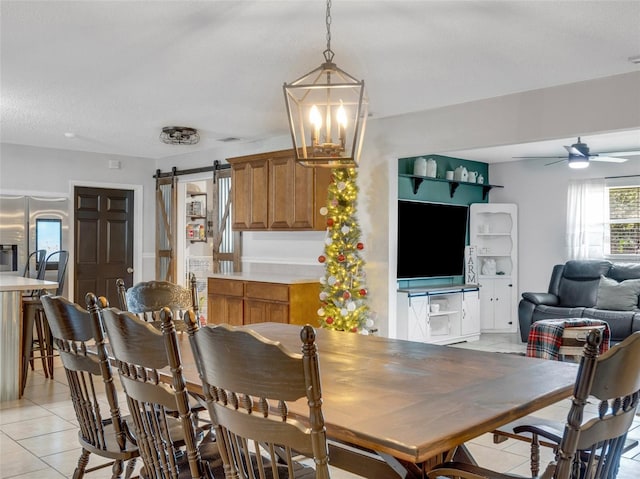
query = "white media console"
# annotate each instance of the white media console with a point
(439, 314)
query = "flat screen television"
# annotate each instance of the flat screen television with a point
(431, 239)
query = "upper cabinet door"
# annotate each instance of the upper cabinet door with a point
(249, 190)
(290, 195)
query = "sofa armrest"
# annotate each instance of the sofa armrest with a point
(527, 306)
(542, 298)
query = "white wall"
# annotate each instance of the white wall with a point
(49, 172)
(574, 110)
(541, 195)
(540, 192)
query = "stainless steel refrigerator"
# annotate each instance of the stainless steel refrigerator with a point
(29, 222)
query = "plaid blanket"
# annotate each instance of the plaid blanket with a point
(545, 336)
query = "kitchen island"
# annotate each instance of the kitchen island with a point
(249, 298)
(12, 288)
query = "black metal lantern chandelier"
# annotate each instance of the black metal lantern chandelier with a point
(327, 111)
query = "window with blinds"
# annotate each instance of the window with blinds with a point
(624, 220)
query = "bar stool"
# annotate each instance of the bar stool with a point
(33, 317)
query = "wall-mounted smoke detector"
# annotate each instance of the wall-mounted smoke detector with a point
(179, 135)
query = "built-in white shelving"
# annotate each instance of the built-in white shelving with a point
(493, 230)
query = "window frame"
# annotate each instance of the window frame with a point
(625, 183)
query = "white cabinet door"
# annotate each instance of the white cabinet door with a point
(496, 305)
(418, 318)
(470, 313)
(486, 305)
(502, 305)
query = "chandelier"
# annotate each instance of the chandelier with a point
(327, 111)
(179, 135)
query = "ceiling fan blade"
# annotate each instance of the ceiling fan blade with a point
(554, 162)
(573, 151)
(609, 159)
(535, 157)
(620, 153)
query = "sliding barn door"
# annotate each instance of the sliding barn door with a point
(166, 228)
(227, 244)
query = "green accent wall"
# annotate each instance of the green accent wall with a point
(439, 192)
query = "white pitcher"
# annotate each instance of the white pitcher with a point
(460, 174)
(472, 176)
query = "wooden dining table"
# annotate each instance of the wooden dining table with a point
(409, 404)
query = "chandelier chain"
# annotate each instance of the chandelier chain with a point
(328, 53)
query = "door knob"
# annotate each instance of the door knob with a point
(129, 270)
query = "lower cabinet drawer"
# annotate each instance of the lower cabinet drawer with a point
(225, 287)
(267, 291)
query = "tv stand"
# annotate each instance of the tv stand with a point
(443, 314)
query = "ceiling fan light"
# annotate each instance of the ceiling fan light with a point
(578, 163)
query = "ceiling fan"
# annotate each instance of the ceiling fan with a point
(578, 156)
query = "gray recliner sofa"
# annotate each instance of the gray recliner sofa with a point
(573, 293)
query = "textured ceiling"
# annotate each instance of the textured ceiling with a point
(115, 72)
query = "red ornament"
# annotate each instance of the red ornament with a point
(360, 246)
(329, 320)
(322, 258)
(341, 258)
(346, 295)
(354, 330)
(329, 221)
(363, 292)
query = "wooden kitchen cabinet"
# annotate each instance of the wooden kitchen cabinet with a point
(225, 301)
(272, 192)
(249, 180)
(239, 301)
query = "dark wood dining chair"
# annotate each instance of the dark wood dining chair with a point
(247, 381)
(147, 298)
(102, 431)
(170, 447)
(588, 448)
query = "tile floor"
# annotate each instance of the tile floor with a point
(38, 434)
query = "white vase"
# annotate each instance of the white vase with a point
(432, 168)
(420, 167)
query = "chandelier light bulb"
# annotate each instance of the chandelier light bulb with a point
(316, 124)
(341, 116)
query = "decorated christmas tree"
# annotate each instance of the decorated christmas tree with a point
(344, 293)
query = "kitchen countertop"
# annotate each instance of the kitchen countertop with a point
(9, 282)
(266, 277)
